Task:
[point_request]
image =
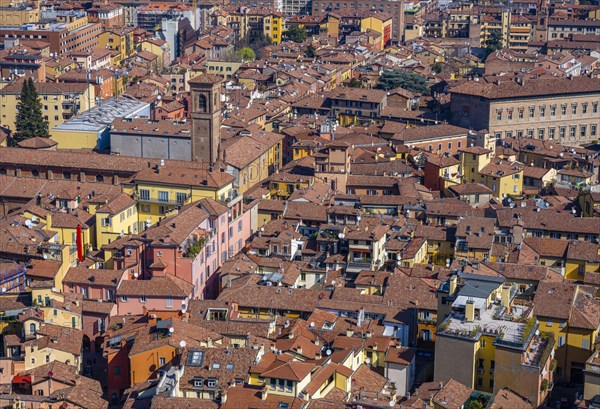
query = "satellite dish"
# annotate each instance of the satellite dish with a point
(3, 289)
(341, 235)
(368, 361)
(183, 310)
(328, 352)
(28, 223)
(34, 219)
(183, 306)
(392, 404)
(171, 330)
(312, 324)
(53, 289)
(333, 282)
(182, 344)
(136, 275)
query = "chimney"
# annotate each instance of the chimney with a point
(506, 297)
(453, 282)
(264, 392)
(299, 350)
(470, 311)
(209, 342)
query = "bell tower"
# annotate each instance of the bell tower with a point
(205, 109)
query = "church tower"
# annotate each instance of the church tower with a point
(205, 109)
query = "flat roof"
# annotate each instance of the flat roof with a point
(102, 115)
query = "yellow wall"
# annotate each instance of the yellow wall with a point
(275, 27)
(504, 185)
(121, 43)
(52, 106)
(152, 210)
(62, 318)
(38, 357)
(125, 222)
(485, 350)
(572, 269)
(571, 351)
(74, 139)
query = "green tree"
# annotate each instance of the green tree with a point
(30, 122)
(311, 51)
(355, 83)
(416, 83)
(296, 34)
(437, 67)
(247, 54)
(493, 43)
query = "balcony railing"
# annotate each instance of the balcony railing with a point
(162, 201)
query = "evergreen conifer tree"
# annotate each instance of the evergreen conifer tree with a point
(30, 121)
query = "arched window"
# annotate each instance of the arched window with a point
(202, 103)
(32, 329)
(99, 178)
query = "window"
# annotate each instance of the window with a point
(572, 131)
(479, 382)
(144, 194)
(549, 323)
(162, 209)
(169, 303)
(181, 198)
(542, 111)
(583, 131)
(239, 226)
(510, 112)
(212, 383)
(563, 109)
(124, 298)
(561, 340)
(499, 114)
(593, 130)
(202, 103)
(162, 361)
(163, 196)
(553, 110)
(574, 109)
(584, 107)
(562, 132)
(530, 133)
(541, 133)
(594, 107)
(198, 383)
(145, 208)
(585, 344)
(143, 298)
(531, 112)
(55, 313)
(551, 132)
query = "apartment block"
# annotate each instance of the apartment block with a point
(488, 340)
(560, 109)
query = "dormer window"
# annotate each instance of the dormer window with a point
(198, 382)
(211, 383)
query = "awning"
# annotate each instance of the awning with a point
(21, 379)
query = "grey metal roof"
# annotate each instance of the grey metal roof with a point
(102, 115)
